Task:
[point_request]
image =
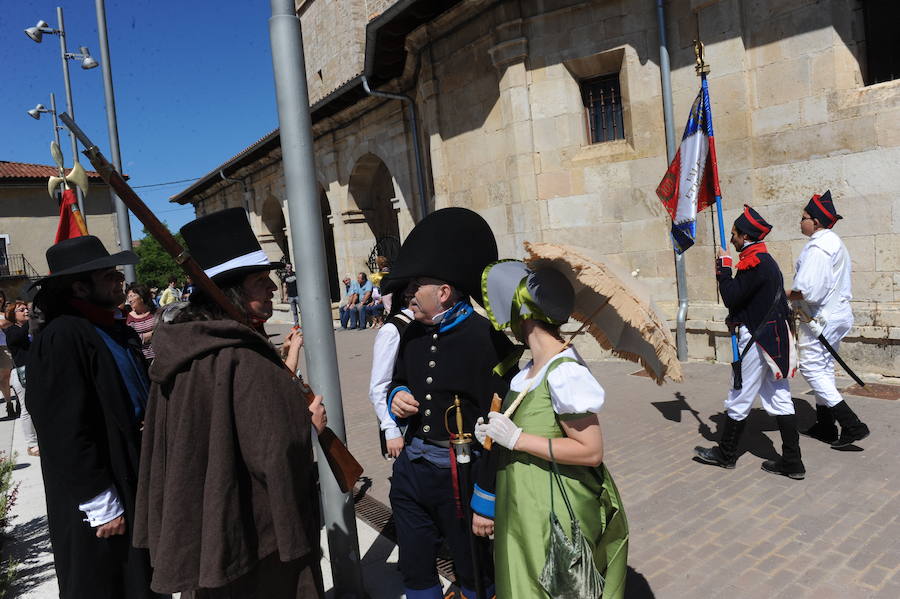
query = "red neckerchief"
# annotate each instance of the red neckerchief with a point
(748, 255)
(94, 313)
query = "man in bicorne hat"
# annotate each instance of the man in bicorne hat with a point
(448, 352)
(822, 289)
(87, 398)
(758, 311)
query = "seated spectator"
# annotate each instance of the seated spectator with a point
(364, 298)
(348, 300)
(375, 310)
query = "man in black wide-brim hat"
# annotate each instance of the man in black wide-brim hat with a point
(87, 391)
(449, 351)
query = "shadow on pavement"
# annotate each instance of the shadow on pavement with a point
(636, 585)
(21, 465)
(29, 542)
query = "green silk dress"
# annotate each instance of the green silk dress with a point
(522, 525)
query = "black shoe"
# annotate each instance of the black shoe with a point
(780, 466)
(852, 428)
(725, 453)
(825, 429)
(714, 456)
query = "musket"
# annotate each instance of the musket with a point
(817, 330)
(345, 467)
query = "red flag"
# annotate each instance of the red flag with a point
(71, 222)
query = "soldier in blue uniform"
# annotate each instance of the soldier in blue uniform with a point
(758, 312)
(448, 351)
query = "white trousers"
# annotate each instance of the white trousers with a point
(817, 363)
(24, 417)
(758, 379)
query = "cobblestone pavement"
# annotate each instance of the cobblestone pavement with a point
(698, 531)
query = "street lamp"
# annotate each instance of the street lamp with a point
(36, 112)
(36, 33)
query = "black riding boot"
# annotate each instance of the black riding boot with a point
(725, 453)
(852, 428)
(825, 429)
(789, 464)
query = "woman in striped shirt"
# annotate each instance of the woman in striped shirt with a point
(142, 317)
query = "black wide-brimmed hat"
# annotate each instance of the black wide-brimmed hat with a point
(821, 208)
(81, 254)
(224, 246)
(752, 223)
(451, 244)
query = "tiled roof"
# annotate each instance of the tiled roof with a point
(24, 170)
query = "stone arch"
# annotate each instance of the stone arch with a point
(373, 205)
(328, 239)
(273, 237)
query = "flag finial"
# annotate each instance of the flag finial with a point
(699, 52)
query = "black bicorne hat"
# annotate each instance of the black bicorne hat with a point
(752, 223)
(451, 244)
(82, 254)
(821, 208)
(224, 246)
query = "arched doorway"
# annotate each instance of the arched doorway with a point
(275, 229)
(371, 189)
(330, 256)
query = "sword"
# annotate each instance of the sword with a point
(461, 443)
(817, 330)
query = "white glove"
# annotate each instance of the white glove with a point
(503, 430)
(480, 430)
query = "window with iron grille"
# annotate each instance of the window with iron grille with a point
(602, 97)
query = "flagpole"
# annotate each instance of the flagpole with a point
(702, 70)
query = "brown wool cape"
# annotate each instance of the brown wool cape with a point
(226, 473)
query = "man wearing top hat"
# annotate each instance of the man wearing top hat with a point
(227, 500)
(821, 289)
(87, 405)
(758, 311)
(449, 351)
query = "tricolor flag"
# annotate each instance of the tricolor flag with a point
(692, 181)
(71, 222)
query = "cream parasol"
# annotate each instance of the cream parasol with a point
(615, 312)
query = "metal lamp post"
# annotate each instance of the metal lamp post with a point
(36, 112)
(36, 33)
(112, 126)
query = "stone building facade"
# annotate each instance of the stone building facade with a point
(803, 100)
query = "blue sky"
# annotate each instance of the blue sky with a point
(193, 85)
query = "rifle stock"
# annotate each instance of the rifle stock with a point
(344, 466)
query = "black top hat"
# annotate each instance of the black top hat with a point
(451, 244)
(224, 246)
(82, 254)
(751, 223)
(821, 208)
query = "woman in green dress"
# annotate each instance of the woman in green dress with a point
(560, 400)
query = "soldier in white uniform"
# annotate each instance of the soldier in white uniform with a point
(821, 289)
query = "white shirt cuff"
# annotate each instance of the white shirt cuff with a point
(391, 433)
(103, 508)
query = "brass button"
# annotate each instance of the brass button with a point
(426, 428)
(428, 380)
(428, 412)
(428, 396)
(431, 364)
(434, 336)
(433, 349)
